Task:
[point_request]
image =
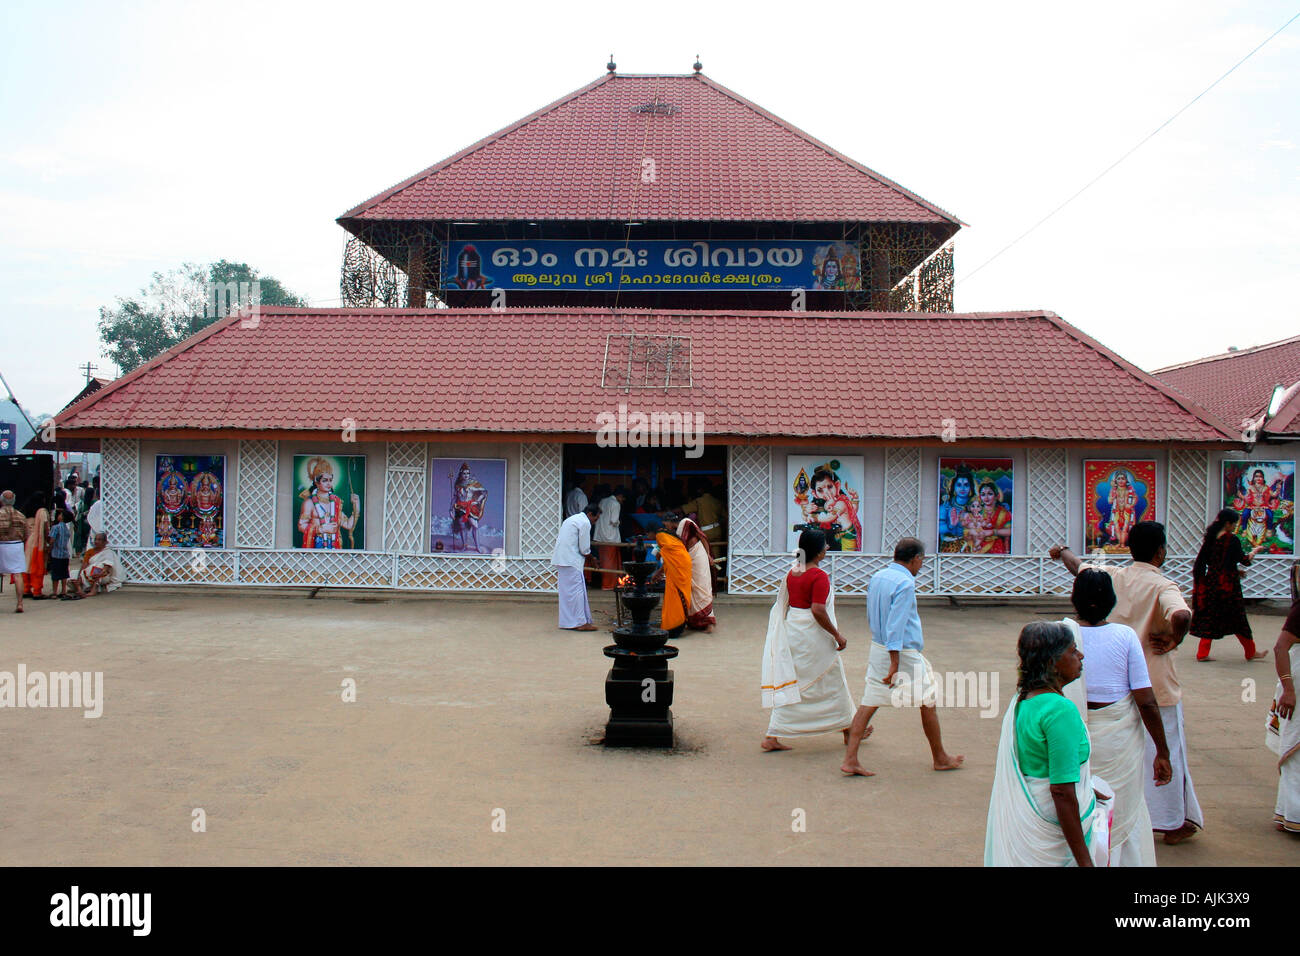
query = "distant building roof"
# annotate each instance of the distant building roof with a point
(665, 148)
(1238, 385)
(758, 375)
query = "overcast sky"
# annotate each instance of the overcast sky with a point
(137, 137)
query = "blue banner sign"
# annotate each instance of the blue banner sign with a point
(8, 438)
(813, 264)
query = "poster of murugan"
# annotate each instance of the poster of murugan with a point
(975, 505)
(189, 501)
(1263, 493)
(328, 492)
(824, 494)
(469, 506)
(1117, 494)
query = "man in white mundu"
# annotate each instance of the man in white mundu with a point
(572, 546)
(896, 658)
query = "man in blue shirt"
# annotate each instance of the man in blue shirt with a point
(897, 672)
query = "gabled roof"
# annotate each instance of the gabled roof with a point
(1006, 376)
(1237, 385)
(36, 443)
(699, 153)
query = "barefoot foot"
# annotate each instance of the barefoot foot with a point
(1185, 832)
(855, 769)
(1259, 657)
(949, 762)
(771, 744)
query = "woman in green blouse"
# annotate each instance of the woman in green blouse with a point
(1043, 809)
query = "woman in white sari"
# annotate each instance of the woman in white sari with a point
(1045, 809)
(1283, 727)
(1115, 700)
(803, 677)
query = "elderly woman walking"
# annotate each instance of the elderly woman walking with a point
(1043, 810)
(1115, 699)
(803, 676)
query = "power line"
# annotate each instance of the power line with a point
(1134, 149)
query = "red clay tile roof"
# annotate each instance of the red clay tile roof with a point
(1025, 375)
(1237, 386)
(716, 157)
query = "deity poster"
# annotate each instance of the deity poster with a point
(1263, 492)
(975, 505)
(189, 501)
(1117, 494)
(328, 494)
(825, 494)
(469, 506)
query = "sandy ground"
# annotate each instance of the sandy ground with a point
(468, 711)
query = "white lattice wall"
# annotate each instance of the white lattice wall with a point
(902, 496)
(1048, 510)
(1188, 506)
(405, 481)
(255, 494)
(541, 493)
(749, 498)
(119, 487)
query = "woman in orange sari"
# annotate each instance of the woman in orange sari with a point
(38, 545)
(676, 575)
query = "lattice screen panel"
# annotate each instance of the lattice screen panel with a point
(429, 572)
(1048, 511)
(1268, 577)
(541, 495)
(850, 572)
(749, 502)
(255, 495)
(756, 573)
(405, 481)
(975, 574)
(320, 568)
(1188, 504)
(119, 487)
(902, 504)
(954, 575)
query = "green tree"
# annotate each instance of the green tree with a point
(173, 307)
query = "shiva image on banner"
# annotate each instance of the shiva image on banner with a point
(975, 505)
(1263, 492)
(824, 494)
(469, 506)
(189, 501)
(1117, 494)
(328, 492)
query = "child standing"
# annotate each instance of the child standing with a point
(60, 539)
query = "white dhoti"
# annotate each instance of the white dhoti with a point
(1022, 827)
(575, 609)
(803, 676)
(1175, 803)
(13, 557)
(913, 686)
(1118, 747)
(1284, 740)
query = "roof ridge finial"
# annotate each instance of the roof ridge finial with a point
(697, 66)
(611, 65)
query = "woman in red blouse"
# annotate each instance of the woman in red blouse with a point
(803, 677)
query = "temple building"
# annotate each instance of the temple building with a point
(653, 282)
